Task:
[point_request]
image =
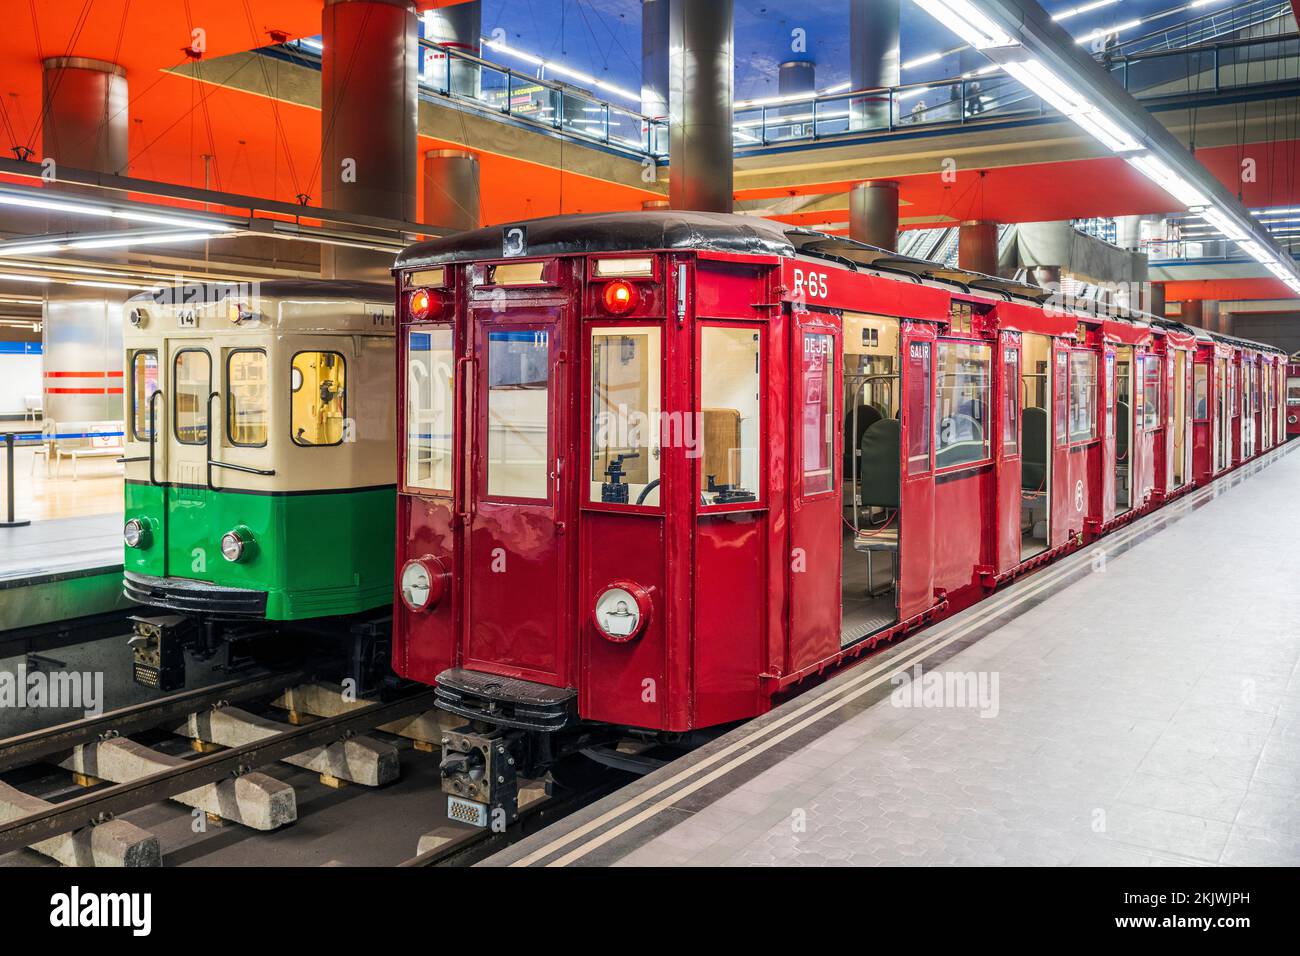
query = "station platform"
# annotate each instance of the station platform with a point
(60, 568)
(1136, 703)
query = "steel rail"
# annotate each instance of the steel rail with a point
(30, 747)
(211, 768)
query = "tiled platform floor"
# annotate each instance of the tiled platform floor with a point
(59, 545)
(1147, 713)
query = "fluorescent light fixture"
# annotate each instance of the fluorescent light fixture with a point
(1085, 8)
(922, 60)
(1279, 270)
(106, 242)
(311, 44)
(1257, 252)
(74, 208)
(1220, 221)
(1107, 31)
(561, 69)
(1036, 77)
(837, 88)
(1164, 177)
(969, 22)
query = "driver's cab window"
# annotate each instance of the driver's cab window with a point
(318, 398)
(730, 412)
(625, 419)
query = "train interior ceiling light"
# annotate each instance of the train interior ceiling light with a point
(978, 29)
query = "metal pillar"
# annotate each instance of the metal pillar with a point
(700, 67)
(451, 189)
(873, 214)
(1155, 303)
(977, 247)
(1193, 313)
(85, 126)
(369, 147)
(458, 27)
(873, 60)
(654, 58)
(795, 77)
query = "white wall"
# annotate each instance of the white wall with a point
(20, 375)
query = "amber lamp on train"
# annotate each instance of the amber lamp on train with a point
(620, 297)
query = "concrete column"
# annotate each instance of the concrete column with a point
(451, 189)
(458, 27)
(1193, 313)
(84, 125)
(873, 59)
(977, 247)
(654, 58)
(873, 214)
(701, 67)
(1128, 232)
(1156, 299)
(368, 121)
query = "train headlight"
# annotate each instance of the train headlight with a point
(621, 611)
(1291, 419)
(236, 545)
(422, 583)
(136, 534)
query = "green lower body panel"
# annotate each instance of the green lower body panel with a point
(312, 554)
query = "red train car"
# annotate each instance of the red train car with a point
(659, 469)
(1293, 396)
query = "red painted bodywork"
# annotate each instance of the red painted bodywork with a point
(733, 624)
(1292, 404)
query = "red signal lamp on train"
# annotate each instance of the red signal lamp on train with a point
(620, 297)
(421, 304)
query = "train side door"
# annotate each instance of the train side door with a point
(517, 552)
(916, 462)
(1008, 457)
(188, 425)
(816, 528)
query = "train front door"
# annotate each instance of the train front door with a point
(517, 552)
(187, 419)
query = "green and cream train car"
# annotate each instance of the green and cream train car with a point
(260, 464)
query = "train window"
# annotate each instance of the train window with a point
(247, 397)
(918, 408)
(430, 373)
(1011, 402)
(1061, 397)
(818, 414)
(961, 434)
(318, 398)
(625, 421)
(1083, 396)
(1201, 391)
(144, 382)
(191, 386)
(1151, 385)
(518, 407)
(730, 390)
(1293, 391)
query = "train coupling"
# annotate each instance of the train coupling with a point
(158, 651)
(480, 776)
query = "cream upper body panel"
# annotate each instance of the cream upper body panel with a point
(304, 381)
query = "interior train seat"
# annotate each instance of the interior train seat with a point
(868, 415)
(879, 488)
(1121, 431)
(1033, 448)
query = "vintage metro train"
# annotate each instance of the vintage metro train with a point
(657, 469)
(260, 464)
(1293, 396)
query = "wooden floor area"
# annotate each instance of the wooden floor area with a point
(39, 496)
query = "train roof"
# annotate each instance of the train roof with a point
(669, 229)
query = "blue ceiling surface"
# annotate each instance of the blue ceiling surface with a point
(603, 37)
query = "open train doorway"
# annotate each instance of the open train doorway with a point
(1035, 444)
(1123, 429)
(1180, 418)
(872, 436)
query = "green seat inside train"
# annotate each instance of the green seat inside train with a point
(1033, 449)
(867, 415)
(878, 483)
(1121, 431)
